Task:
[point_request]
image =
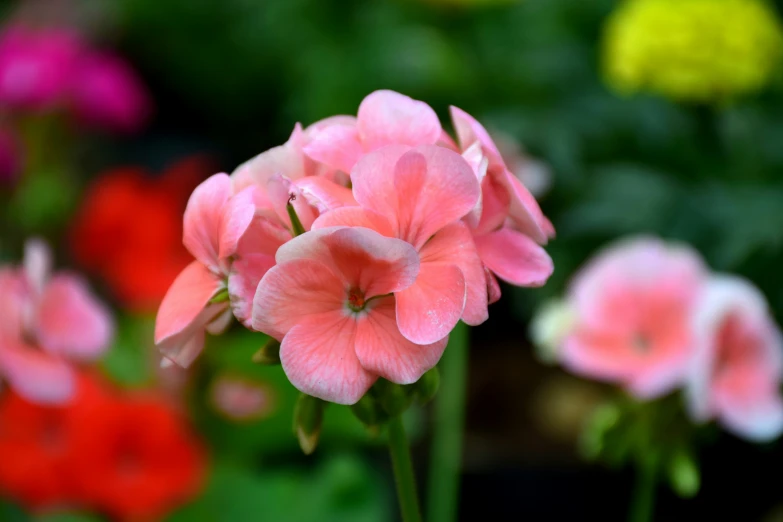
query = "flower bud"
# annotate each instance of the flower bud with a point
(393, 398)
(308, 418)
(427, 386)
(268, 354)
(684, 475)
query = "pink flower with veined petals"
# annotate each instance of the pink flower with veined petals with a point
(329, 301)
(384, 118)
(507, 223)
(419, 195)
(736, 371)
(37, 66)
(632, 307)
(45, 321)
(215, 220)
(106, 92)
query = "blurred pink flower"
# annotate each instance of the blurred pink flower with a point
(37, 66)
(736, 370)
(419, 195)
(328, 300)
(107, 93)
(215, 220)
(632, 309)
(242, 399)
(384, 118)
(507, 223)
(45, 321)
(10, 157)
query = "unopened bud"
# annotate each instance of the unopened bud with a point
(427, 386)
(308, 418)
(684, 475)
(393, 398)
(269, 353)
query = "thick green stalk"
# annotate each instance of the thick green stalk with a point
(446, 453)
(643, 501)
(403, 471)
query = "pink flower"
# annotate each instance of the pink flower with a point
(507, 223)
(384, 118)
(10, 157)
(330, 300)
(45, 321)
(736, 370)
(632, 307)
(107, 93)
(215, 220)
(419, 195)
(36, 66)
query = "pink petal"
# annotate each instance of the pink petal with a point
(453, 245)
(220, 324)
(493, 288)
(255, 255)
(375, 264)
(383, 350)
(354, 217)
(319, 358)
(495, 204)
(470, 131)
(37, 264)
(292, 291)
(203, 217)
(34, 375)
(434, 187)
(429, 309)
(236, 217)
(281, 191)
(186, 299)
(14, 300)
(525, 212)
(287, 160)
(515, 258)
(373, 180)
(478, 163)
(337, 146)
(389, 118)
(71, 321)
(324, 194)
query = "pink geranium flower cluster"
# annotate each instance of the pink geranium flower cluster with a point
(358, 244)
(47, 321)
(652, 318)
(53, 69)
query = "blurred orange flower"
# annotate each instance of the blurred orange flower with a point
(128, 456)
(129, 229)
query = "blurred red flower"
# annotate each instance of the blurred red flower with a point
(130, 456)
(129, 229)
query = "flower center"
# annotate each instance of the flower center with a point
(356, 300)
(641, 343)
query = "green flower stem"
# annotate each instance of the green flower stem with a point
(643, 501)
(446, 453)
(403, 471)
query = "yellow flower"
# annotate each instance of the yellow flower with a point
(692, 50)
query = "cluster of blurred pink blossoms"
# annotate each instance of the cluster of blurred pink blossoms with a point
(54, 70)
(652, 318)
(358, 244)
(47, 323)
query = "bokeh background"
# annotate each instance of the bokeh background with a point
(614, 147)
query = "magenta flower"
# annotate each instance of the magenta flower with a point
(10, 157)
(632, 307)
(507, 223)
(419, 195)
(215, 220)
(45, 321)
(736, 371)
(107, 93)
(37, 67)
(331, 301)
